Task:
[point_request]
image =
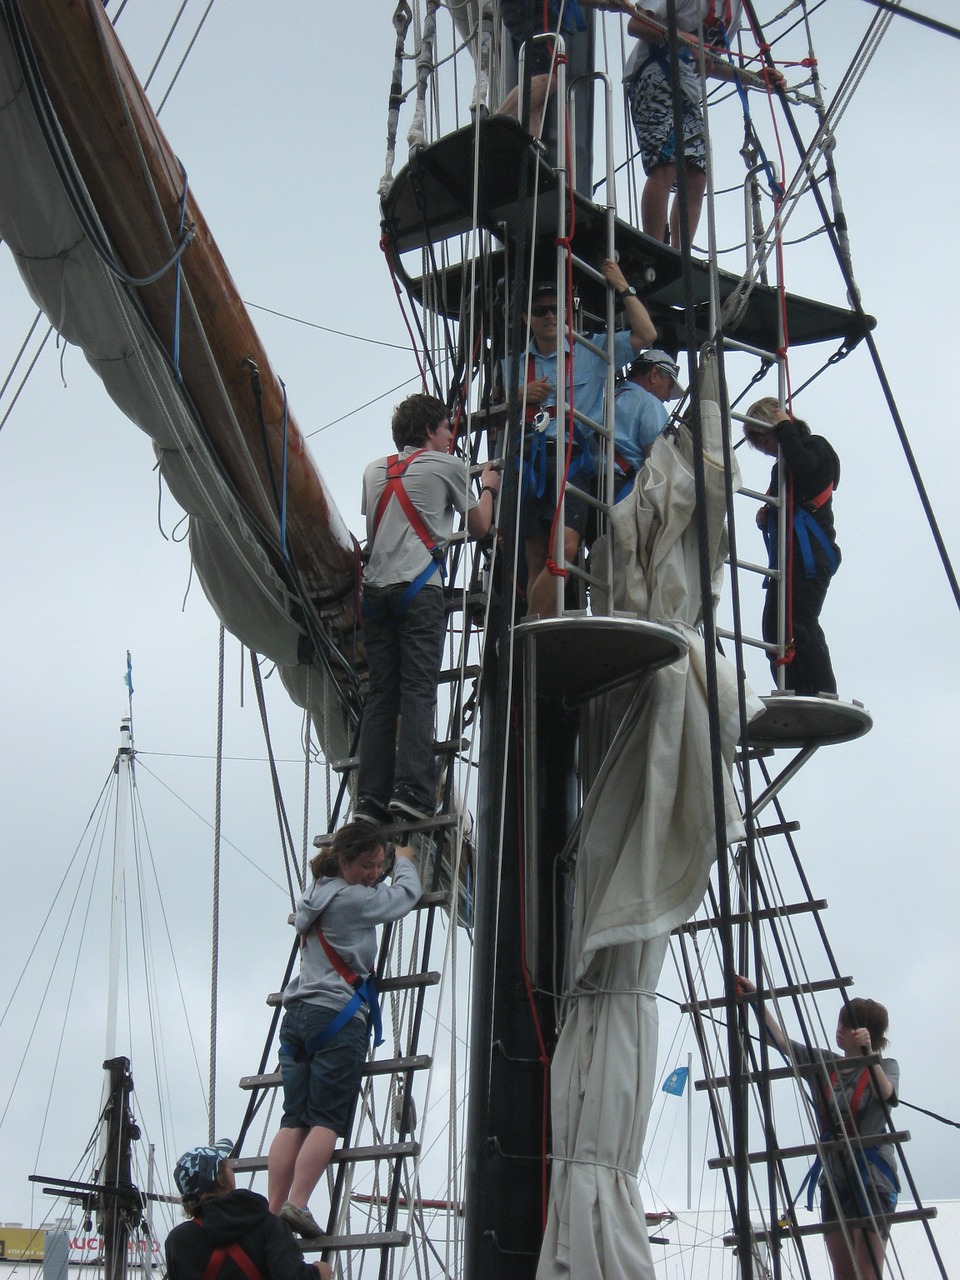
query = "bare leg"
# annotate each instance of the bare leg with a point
(540, 89)
(281, 1163)
(869, 1250)
(654, 201)
(696, 186)
(315, 1154)
(542, 588)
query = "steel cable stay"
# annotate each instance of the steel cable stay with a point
(752, 893)
(854, 298)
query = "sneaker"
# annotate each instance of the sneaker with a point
(406, 805)
(301, 1220)
(369, 810)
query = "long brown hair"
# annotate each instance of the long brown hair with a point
(871, 1014)
(350, 843)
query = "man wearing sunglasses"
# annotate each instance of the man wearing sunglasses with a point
(538, 391)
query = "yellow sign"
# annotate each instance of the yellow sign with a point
(21, 1244)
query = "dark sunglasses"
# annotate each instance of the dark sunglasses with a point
(544, 309)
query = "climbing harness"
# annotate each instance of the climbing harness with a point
(236, 1253)
(394, 489)
(869, 1155)
(804, 524)
(364, 993)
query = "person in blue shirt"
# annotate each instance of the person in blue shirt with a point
(640, 414)
(538, 393)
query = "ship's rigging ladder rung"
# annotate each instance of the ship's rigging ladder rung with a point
(447, 746)
(432, 898)
(777, 829)
(393, 830)
(813, 1148)
(343, 1155)
(808, 1069)
(818, 1228)
(745, 917)
(375, 1240)
(375, 1067)
(400, 982)
(795, 989)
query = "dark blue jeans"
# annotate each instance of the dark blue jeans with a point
(404, 654)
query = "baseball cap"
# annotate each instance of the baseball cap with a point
(544, 286)
(663, 361)
(197, 1169)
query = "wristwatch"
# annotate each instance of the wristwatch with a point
(628, 292)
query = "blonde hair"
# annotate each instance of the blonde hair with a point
(763, 409)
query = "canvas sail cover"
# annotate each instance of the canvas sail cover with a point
(92, 308)
(647, 845)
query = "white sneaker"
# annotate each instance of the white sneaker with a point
(301, 1220)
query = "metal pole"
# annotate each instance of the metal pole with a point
(124, 771)
(689, 1131)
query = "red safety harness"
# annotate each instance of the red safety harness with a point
(856, 1098)
(237, 1254)
(394, 489)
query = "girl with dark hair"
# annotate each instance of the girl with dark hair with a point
(323, 1036)
(855, 1182)
(812, 472)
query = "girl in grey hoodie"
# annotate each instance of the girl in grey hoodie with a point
(323, 1036)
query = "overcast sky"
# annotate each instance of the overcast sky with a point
(280, 122)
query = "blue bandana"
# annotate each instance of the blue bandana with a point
(196, 1170)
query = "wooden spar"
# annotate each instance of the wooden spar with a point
(136, 184)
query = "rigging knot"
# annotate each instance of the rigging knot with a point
(554, 568)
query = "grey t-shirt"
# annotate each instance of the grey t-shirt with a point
(438, 485)
(870, 1118)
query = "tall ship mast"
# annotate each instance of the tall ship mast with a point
(573, 886)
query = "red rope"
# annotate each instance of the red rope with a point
(786, 584)
(565, 243)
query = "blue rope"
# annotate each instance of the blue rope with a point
(775, 186)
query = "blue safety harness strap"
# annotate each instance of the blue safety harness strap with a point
(863, 1157)
(805, 524)
(364, 993)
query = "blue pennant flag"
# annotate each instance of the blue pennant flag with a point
(676, 1081)
(128, 678)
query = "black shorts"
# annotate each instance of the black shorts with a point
(850, 1202)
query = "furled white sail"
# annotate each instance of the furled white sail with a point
(647, 845)
(89, 306)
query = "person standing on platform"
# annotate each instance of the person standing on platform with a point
(232, 1232)
(329, 1007)
(812, 473)
(640, 414)
(410, 500)
(650, 97)
(851, 1097)
(538, 395)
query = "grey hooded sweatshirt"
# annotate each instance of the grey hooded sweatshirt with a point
(349, 915)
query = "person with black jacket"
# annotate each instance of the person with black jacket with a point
(231, 1235)
(812, 473)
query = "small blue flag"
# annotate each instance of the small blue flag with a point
(676, 1081)
(128, 678)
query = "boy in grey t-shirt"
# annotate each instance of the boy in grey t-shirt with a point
(410, 501)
